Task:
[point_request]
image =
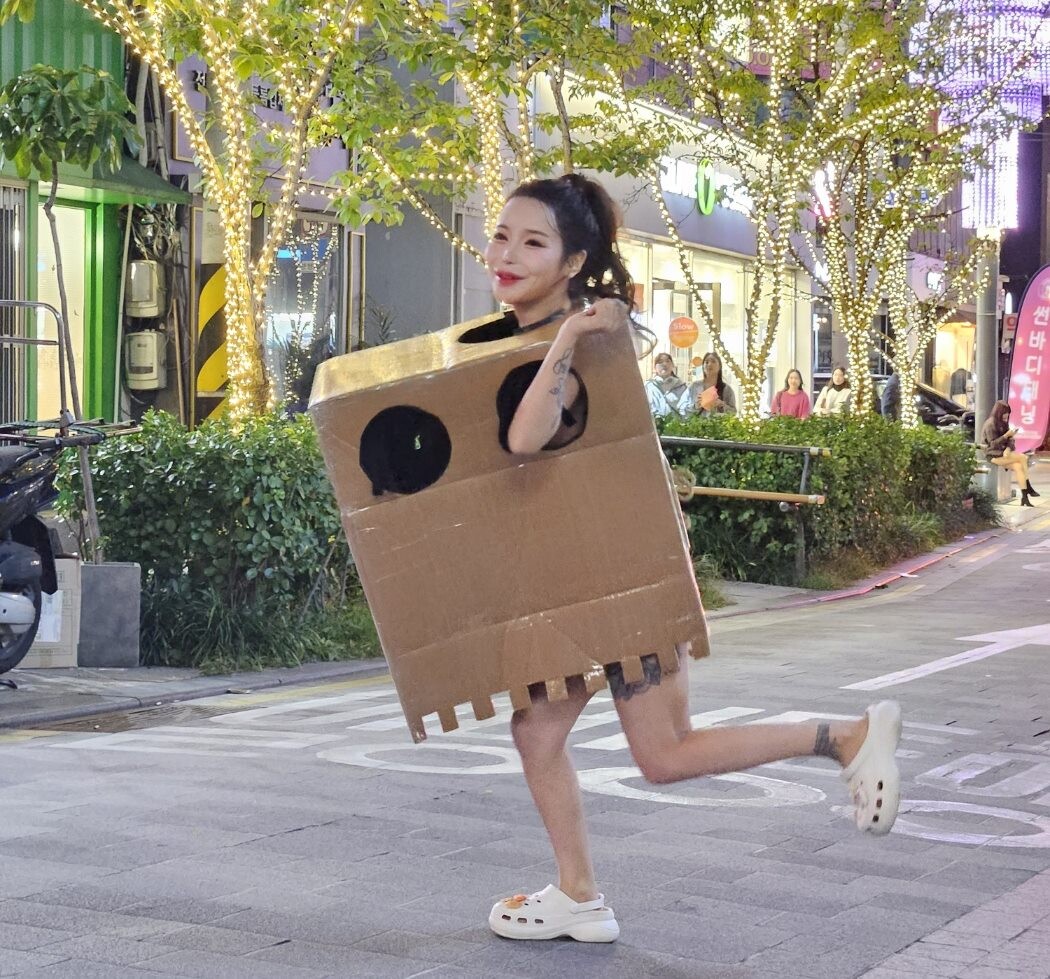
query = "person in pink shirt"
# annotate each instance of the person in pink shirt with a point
(791, 400)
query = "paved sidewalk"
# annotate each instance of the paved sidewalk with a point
(1008, 938)
(47, 696)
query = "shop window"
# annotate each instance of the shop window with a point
(305, 308)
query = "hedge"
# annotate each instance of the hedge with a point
(238, 536)
(889, 491)
(245, 564)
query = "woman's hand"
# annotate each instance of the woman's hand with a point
(605, 316)
(709, 399)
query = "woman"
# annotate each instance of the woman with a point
(665, 390)
(554, 249)
(998, 439)
(791, 399)
(710, 395)
(834, 398)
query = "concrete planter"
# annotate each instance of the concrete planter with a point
(109, 616)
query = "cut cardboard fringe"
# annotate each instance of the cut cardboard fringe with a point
(556, 689)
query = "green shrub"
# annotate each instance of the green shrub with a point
(889, 491)
(237, 533)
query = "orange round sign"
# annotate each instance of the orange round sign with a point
(683, 332)
(697, 362)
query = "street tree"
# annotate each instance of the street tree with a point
(768, 91)
(896, 180)
(771, 92)
(247, 156)
(455, 113)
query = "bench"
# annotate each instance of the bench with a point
(789, 502)
(1000, 483)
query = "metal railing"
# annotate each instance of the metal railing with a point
(789, 502)
(28, 341)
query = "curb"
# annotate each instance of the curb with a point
(210, 687)
(881, 580)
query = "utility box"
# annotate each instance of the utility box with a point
(144, 294)
(145, 360)
(57, 638)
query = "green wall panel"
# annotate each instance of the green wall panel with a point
(62, 34)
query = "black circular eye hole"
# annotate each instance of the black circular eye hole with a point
(404, 450)
(512, 390)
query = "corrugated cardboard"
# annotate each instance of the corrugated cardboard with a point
(509, 570)
(59, 631)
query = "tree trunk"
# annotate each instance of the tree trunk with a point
(858, 345)
(909, 375)
(94, 534)
(249, 390)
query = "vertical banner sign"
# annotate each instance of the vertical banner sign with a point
(1030, 368)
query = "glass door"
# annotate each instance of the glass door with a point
(72, 225)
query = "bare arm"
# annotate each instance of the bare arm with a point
(539, 415)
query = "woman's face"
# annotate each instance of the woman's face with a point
(524, 256)
(712, 365)
(663, 366)
(838, 376)
(794, 380)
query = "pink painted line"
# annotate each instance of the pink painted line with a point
(883, 579)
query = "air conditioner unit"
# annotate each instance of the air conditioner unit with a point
(144, 290)
(145, 360)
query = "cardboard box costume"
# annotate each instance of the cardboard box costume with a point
(485, 571)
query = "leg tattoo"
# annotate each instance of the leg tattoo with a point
(823, 746)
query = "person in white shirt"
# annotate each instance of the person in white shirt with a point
(834, 398)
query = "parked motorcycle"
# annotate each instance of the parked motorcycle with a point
(28, 465)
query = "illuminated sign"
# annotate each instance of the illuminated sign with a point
(704, 184)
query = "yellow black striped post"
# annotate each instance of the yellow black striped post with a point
(212, 373)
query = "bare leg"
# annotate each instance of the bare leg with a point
(666, 753)
(1017, 463)
(540, 734)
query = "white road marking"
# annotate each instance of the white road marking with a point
(174, 738)
(1038, 840)
(363, 757)
(1000, 642)
(958, 772)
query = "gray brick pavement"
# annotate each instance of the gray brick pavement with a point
(1007, 938)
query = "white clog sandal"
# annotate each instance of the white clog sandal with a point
(873, 777)
(551, 913)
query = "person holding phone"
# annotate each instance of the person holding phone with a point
(998, 439)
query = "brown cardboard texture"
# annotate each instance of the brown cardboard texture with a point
(486, 571)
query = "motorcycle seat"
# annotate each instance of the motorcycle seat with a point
(9, 455)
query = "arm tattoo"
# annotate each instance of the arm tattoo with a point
(561, 371)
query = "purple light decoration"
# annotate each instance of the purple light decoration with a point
(1009, 29)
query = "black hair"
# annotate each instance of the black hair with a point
(845, 377)
(720, 385)
(787, 379)
(587, 221)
